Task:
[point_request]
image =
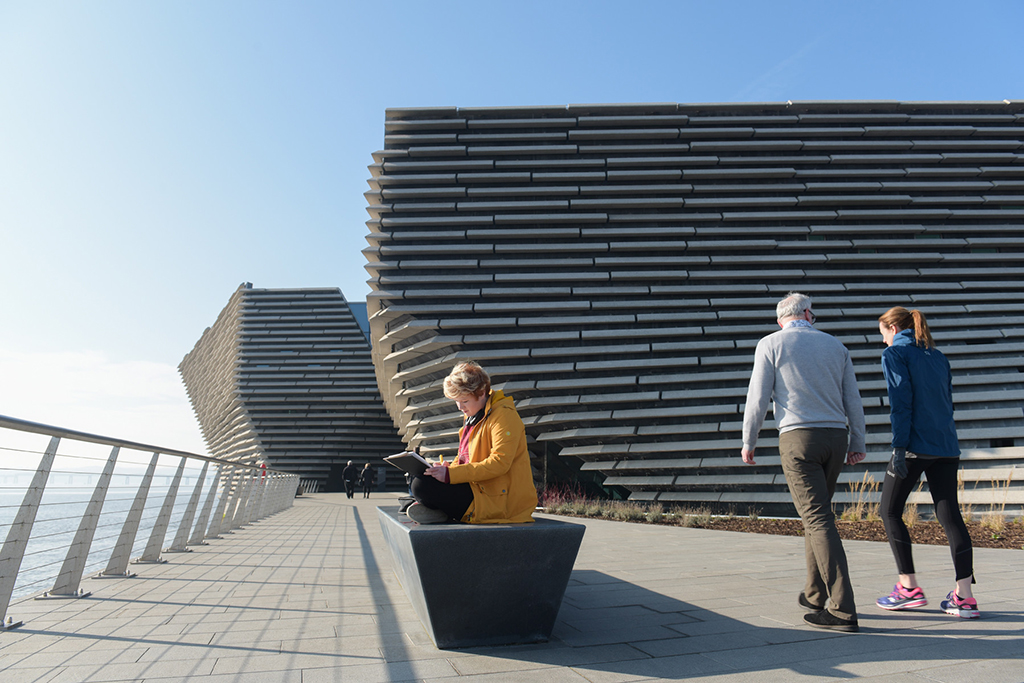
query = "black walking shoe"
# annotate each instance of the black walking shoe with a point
(421, 514)
(825, 619)
(807, 604)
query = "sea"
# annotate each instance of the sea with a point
(59, 516)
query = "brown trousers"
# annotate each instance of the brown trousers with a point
(812, 459)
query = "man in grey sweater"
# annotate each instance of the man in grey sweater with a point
(818, 411)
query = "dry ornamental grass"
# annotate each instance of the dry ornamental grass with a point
(859, 521)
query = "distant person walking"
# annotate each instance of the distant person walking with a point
(350, 474)
(818, 411)
(924, 441)
(366, 479)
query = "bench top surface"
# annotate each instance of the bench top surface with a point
(393, 515)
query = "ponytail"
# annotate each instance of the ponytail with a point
(909, 320)
(922, 334)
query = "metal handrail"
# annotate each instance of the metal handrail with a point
(243, 493)
(74, 435)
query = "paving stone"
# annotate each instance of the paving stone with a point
(971, 672)
(644, 603)
(133, 672)
(511, 659)
(38, 675)
(535, 675)
(272, 663)
(383, 673)
(661, 668)
(293, 676)
(55, 659)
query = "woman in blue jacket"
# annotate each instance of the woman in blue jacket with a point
(924, 441)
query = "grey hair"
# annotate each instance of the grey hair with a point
(793, 306)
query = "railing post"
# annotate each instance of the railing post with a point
(265, 480)
(200, 531)
(250, 494)
(217, 523)
(181, 537)
(246, 505)
(255, 496)
(283, 492)
(288, 488)
(243, 498)
(13, 551)
(70, 577)
(259, 490)
(156, 538)
(282, 485)
(118, 565)
(289, 485)
(273, 493)
(275, 496)
(236, 497)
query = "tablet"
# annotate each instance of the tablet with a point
(411, 462)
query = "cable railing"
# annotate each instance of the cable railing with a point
(74, 504)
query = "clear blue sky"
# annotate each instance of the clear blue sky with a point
(155, 154)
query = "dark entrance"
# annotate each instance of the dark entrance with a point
(335, 482)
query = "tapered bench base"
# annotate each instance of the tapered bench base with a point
(483, 584)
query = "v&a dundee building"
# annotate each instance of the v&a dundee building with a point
(613, 267)
(284, 377)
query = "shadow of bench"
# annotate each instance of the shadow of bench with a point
(484, 584)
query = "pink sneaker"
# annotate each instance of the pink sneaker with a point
(965, 608)
(902, 598)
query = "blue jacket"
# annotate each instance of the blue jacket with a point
(920, 387)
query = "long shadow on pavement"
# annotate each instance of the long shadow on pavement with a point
(609, 628)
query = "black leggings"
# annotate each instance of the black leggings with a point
(941, 476)
(452, 499)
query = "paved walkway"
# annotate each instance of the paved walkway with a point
(308, 596)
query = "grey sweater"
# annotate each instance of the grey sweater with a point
(809, 376)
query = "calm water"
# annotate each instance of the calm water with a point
(58, 518)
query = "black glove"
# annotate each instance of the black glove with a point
(898, 463)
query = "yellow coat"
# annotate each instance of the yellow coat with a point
(498, 470)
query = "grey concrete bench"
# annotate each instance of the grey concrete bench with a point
(488, 584)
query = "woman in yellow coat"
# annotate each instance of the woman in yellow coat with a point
(490, 481)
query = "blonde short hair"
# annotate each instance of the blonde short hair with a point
(466, 378)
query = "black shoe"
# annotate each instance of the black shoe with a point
(421, 514)
(825, 619)
(807, 604)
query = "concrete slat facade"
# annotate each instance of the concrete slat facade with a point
(285, 376)
(613, 266)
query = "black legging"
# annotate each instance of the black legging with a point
(452, 499)
(941, 476)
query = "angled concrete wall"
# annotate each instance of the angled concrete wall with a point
(285, 375)
(613, 266)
